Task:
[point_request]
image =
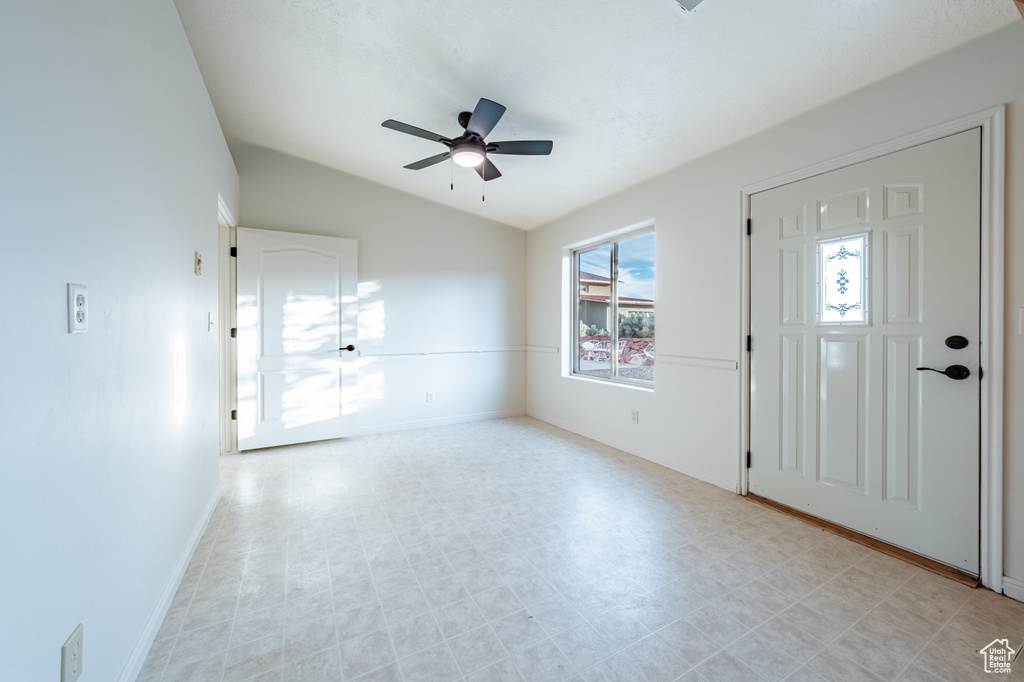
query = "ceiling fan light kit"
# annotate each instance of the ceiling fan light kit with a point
(470, 150)
(468, 154)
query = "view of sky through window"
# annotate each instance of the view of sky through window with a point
(636, 265)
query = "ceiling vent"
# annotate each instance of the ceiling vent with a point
(688, 5)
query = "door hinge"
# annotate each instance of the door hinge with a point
(748, 459)
(748, 343)
(234, 415)
(234, 332)
(981, 374)
(748, 225)
(234, 252)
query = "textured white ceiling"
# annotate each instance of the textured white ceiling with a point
(625, 89)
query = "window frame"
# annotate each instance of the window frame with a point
(612, 241)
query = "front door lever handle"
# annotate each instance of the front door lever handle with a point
(955, 372)
(348, 347)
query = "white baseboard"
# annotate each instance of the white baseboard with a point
(137, 657)
(1013, 588)
(426, 423)
(699, 474)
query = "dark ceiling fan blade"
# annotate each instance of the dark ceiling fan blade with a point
(488, 171)
(524, 147)
(485, 117)
(430, 161)
(413, 130)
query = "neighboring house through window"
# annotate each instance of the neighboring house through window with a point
(613, 308)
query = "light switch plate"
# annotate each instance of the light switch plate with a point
(78, 309)
(199, 264)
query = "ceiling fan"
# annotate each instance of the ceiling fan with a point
(470, 150)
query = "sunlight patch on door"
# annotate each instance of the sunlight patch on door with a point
(306, 396)
(248, 325)
(309, 324)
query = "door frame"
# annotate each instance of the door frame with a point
(226, 295)
(993, 187)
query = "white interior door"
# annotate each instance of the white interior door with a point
(297, 309)
(858, 278)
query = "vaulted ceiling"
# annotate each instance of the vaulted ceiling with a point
(626, 89)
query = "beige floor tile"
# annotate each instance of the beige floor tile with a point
(433, 665)
(722, 628)
(253, 658)
(200, 643)
(955, 655)
(835, 667)
(308, 638)
(320, 667)
(476, 649)
(556, 615)
(458, 617)
(521, 551)
(502, 671)
(360, 621)
(544, 661)
(203, 670)
(363, 654)
(883, 662)
(725, 667)
(790, 639)
(689, 642)
(763, 656)
(582, 645)
(656, 660)
(415, 634)
(915, 673)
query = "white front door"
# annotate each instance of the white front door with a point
(858, 278)
(297, 308)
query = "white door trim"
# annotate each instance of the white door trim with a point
(226, 304)
(993, 184)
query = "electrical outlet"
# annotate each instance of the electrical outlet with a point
(430, 397)
(635, 416)
(71, 657)
(78, 309)
(199, 264)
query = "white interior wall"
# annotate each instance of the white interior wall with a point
(691, 422)
(111, 164)
(435, 287)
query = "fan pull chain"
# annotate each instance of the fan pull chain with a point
(451, 168)
(483, 188)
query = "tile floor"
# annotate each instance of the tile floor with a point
(512, 550)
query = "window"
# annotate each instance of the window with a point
(841, 281)
(613, 321)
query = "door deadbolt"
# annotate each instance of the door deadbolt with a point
(956, 342)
